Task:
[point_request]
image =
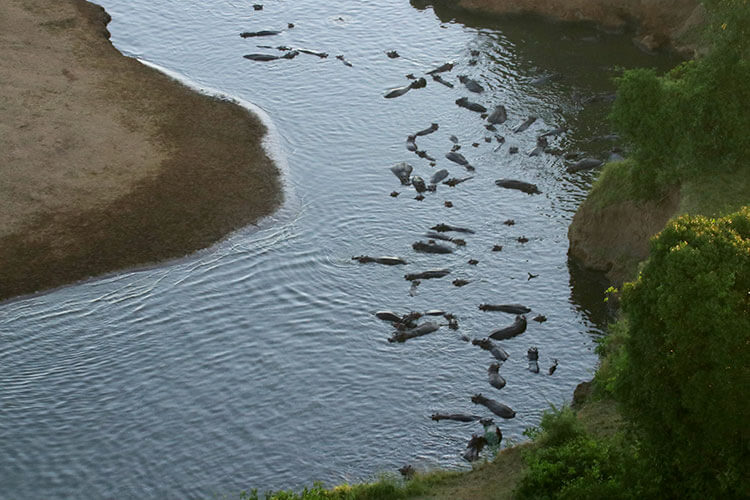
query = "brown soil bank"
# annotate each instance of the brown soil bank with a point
(106, 163)
(615, 238)
(659, 23)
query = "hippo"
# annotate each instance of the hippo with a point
(425, 275)
(432, 128)
(442, 228)
(388, 261)
(584, 164)
(508, 308)
(423, 154)
(457, 158)
(431, 248)
(553, 367)
(439, 79)
(464, 102)
(526, 187)
(495, 407)
(418, 184)
(438, 176)
(460, 282)
(419, 83)
(341, 58)
(388, 316)
(470, 84)
(497, 351)
(397, 92)
(392, 54)
(423, 329)
(403, 171)
(261, 57)
(533, 357)
(526, 124)
(322, 55)
(492, 432)
(475, 446)
(517, 328)
(540, 318)
(495, 379)
(250, 34)
(441, 69)
(411, 144)
(452, 182)
(458, 417)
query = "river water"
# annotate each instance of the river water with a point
(258, 362)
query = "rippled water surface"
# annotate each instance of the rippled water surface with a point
(258, 362)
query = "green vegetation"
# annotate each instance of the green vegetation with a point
(694, 120)
(685, 370)
(678, 365)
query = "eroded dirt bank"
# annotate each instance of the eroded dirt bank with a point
(658, 23)
(106, 163)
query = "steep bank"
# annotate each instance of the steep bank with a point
(658, 23)
(106, 163)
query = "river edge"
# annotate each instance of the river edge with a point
(656, 24)
(107, 163)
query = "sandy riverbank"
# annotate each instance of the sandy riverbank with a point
(106, 163)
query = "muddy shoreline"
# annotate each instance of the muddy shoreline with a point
(108, 164)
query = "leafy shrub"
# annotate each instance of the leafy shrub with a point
(684, 380)
(695, 119)
(566, 462)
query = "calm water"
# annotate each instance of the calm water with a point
(258, 362)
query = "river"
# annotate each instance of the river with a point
(258, 363)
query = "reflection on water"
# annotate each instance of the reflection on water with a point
(258, 363)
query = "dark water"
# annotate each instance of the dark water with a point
(258, 362)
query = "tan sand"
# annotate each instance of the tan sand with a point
(106, 163)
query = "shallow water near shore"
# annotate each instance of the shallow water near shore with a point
(258, 363)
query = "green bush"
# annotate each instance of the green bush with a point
(684, 380)
(566, 462)
(695, 119)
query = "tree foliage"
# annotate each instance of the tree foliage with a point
(687, 371)
(695, 118)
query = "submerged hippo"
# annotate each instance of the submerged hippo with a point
(464, 102)
(517, 328)
(423, 329)
(425, 275)
(442, 228)
(494, 377)
(498, 352)
(457, 158)
(508, 308)
(526, 124)
(441, 69)
(438, 176)
(403, 171)
(585, 164)
(495, 407)
(458, 417)
(420, 246)
(388, 261)
(499, 115)
(475, 446)
(471, 84)
(526, 187)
